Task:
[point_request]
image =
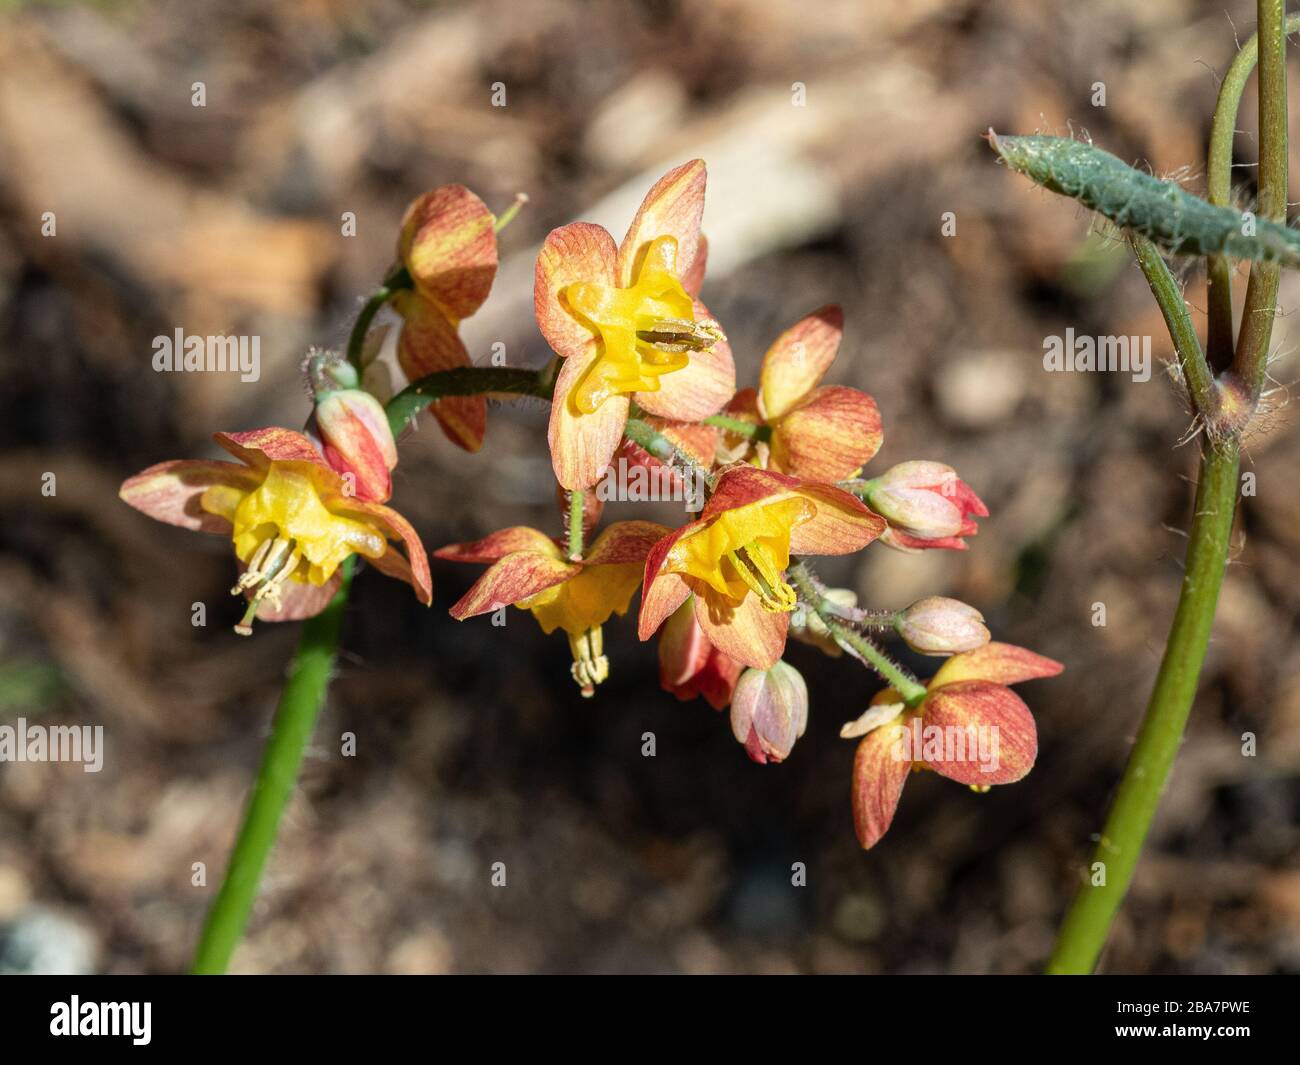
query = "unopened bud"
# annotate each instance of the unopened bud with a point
(940, 626)
(769, 711)
(355, 438)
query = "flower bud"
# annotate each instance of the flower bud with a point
(689, 665)
(769, 711)
(926, 504)
(355, 439)
(936, 625)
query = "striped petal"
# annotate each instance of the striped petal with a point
(983, 733)
(449, 247)
(842, 524)
(829, 437)
(748, 633)
(1001, 663)
(797, 360)
(578, 252)
(411, 567)
(512, 579)
(582, 445)
(427, 344)
(260, 447)
(625, 542)
(673, 207)
(496, 546)
(879, 773)
(171, 491)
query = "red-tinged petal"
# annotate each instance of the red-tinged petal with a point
(170, 491)
(693, 279)
(700, 442)
(748, 633)
(829, 437)
(449, 246)
(662, 593)
(355, 438)
(797, 360)
(673, 207)
(1001, 663)
(689, 665)
(879, 773)
(427, 344)
(414, 567)
(978, 733)
(299, 600)
(511, 580)
(260, 447)
(625, 542)
(496, 546)
(702, 387)
(843, 523)
(577, 252)
(911, 545)
(742, 485)
(582, 445)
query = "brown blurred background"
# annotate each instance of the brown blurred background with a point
(473, 746)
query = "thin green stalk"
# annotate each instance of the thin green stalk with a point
(1083, 934)
(465, 381)
(394, 283)
(856, 644)
(508, 215)
(739, 426)
(295, 720)
(576, 503)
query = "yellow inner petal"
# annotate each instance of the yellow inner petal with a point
(745, 549)
(586, 601)
(288, 505)
(626, 364)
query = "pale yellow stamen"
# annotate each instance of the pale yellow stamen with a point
(590, 666)
(272, 564)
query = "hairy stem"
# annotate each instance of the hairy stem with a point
(295, 720)
(576, 502)
(465, 381)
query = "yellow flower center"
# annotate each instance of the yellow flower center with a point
(647, 330)
(745, 549)
(284, 531)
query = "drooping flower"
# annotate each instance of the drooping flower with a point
(927, 506)
(689, 665)
(627, 324)
(529, 570)
(769, 711)
(733, 558)
(814, 431)
(448, 246)
(289, 516)
(970, 727)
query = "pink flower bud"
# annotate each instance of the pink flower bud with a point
(939, 626)
(355, 440)
(769, 711)
(927, 506)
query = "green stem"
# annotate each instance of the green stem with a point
(466, 381)
(576, 503)
(1083, 934)
(394, 283)
(1196, 371)
(295, 719)
(739, 426)
(508, 215)
(854, 642)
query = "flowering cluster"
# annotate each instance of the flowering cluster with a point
(643, 375)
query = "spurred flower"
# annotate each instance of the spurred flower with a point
(814, 431)
(926, 504)
(970, 727)
(689, 665)
(529, 570)
(628, 326)
(733, 558)
(448, 245)
(769, 711)
(289, 516)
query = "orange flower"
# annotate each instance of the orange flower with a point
(289, 516)
(814, 431)
(448, 245)
(628, 326)
(733, 558)
(970, 727)
(529, 570)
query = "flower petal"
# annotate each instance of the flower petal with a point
(578, 252)
(741, 485)
(843, 523)
(748, 633)
(797, 360)
(829, 437)
(702, 387)
(260, 447)
(673, 207)
(427, 344)
(987, 733)
(689, 665)
(582, 445)
(879, 773)
(625, 542)
(662, 593)
(497, 545)
(694, 277)
(170, 491)
(1001, 663)
(513, 578)
(449, 246)
(299, 600)
(413, 567)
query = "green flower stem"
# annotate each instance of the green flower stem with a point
(394, 283)
(466, 381)
(1086, 925)
(295, 719)
(508, 215)
(854, 642)
(739, 426)
(576, 503)
(1196, 371)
